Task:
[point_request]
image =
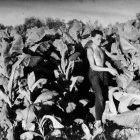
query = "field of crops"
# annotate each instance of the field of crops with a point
(44, 88)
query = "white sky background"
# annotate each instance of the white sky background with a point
(106, 11)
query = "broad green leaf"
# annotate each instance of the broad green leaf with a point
(29, 135)
(31, 80)
(46, 96)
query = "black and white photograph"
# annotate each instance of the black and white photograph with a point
(69, 69)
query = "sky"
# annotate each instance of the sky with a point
(13, 12)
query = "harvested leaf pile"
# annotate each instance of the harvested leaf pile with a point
(44, 87)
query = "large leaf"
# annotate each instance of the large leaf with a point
(56, 133)
(29, 135)
(10, 134)
(5, 55)
(129, 119)
(17, 44)
(77, 79)
(123, 80)
(46, 97)
(4, 118)
(3, 34)
(56, 123)
(71, 107)
(75, 29)
(27, 116)
(38, 84)
(87, 133)
(126, 45)
(5, 49)
(16, 65)
(4, 96)
(110, 103)
(60, 46)
(126, 117)
(125, 100)
(31, 80)
(28, 126)
(23, 94)
(34, 35)
(69, 69)
(67, 38)
(128, 31)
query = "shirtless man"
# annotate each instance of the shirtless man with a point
(98, 72)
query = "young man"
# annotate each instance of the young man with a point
(98, 72)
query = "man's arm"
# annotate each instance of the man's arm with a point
(98, 68)
(114, 57)
(108, 64)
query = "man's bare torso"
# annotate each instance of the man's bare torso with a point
(98, 56)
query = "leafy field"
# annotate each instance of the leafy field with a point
(45, 93)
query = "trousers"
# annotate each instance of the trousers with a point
(99, 85)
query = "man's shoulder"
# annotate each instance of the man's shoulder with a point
(88, 44)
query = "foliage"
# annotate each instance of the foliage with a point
(2, 27)
(138, 16)
(70, 22)
(40, 98)
(33, 22)
(21, 29)
(55, 23)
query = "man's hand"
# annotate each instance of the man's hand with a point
(113, 71)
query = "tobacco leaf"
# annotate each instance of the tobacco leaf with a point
(29, 135)
(31, 80)
(38, 84)
(27, 116)
(56, 123)
(17, 43)
(46, 97)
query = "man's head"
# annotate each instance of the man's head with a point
(97, 37)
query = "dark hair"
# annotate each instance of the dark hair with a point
(94, 32)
